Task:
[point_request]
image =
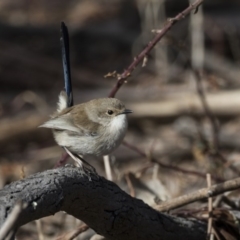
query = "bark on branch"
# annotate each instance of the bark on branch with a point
(99, 203)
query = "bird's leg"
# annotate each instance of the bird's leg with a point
(80, 162)
(90, 167)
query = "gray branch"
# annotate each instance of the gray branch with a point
(99, 203)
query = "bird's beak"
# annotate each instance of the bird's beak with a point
(126, 111)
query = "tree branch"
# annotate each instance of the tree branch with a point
(203, 193)
(171, 167)
(122, 77)
(101, 204)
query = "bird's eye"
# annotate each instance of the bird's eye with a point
(110, 112)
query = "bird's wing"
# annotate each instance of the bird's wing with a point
(68, 121)
(61, 123)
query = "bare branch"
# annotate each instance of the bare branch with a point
(204, 193)
(101, 204)
(207, 110)
(122, 77)
(210, 210)
(163, 165)
(215, 130)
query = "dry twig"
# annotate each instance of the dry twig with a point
(203, 193)
(107, 166)
(130, 185)
(213, 121)
(39, 229)
(207, 110)
(163, 165)
(73, 234)
(8, 226)
(210, 209)
(122, 77)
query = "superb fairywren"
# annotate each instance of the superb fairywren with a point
(95, 128)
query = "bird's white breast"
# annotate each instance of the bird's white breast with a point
(115, 133)
(118, 124)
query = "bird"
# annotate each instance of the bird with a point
(96, 127)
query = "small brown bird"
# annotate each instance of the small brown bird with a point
(95, 128)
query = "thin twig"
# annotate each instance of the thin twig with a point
(220, 156)
(126, 73)
(73, 234)
(107, 166)
(163, 165)
(130, 185)
(201, 194)
(39, 229)
(215, 130)
(214, 124)
(8, 225)
(143, 169)
(216, 234)
(231, 203)
(209, 114)
(210, 209)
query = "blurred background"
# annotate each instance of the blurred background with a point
(169, 122)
